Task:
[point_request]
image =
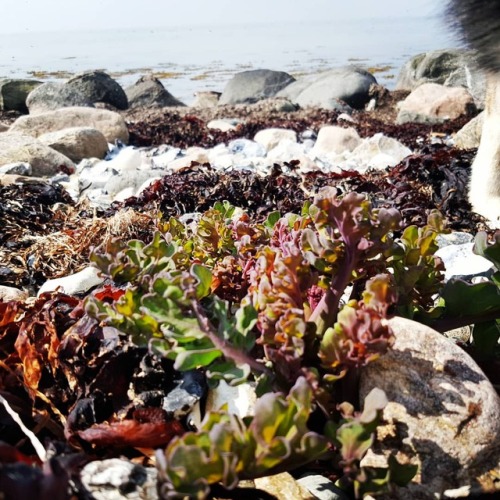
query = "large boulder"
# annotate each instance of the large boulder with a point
(84, 89)
(13, 93)
(449, 67)
(149, 92)
(44, 161)
(348, 84)
(109, 123)
(252, 86)
(77, 143)
(434, 103)
(443, 413)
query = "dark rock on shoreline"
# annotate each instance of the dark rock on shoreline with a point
(84, 89)
(255, 85)
(149, 92)
(13, 94)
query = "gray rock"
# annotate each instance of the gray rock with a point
(322, 488)
(434, 103)
(469, 136)
(348, 84)
(443, 413)
(77, 143)
(109, 123)
(84, 89)
(117, 479)
(13, 93)
(17, 147)
(206, 99)
(450, 67)
(252, 86)
(17, 168)
(149, 92)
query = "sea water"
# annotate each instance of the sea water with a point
(188, 59)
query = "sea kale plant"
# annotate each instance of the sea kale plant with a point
(296, 305)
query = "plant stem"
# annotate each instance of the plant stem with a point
(238, 356)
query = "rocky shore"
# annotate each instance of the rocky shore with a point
(85, 161)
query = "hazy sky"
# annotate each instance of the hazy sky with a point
(43, 15)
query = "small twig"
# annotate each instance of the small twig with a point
(37, 445)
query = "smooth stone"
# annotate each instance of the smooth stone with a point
(469, 136)
(348, 84)
(198, 155)
(254, 85)
(288, 150)
(334, 139)
(73, 284)
(8, 294)
(77, 143)
(271, 137)
(248, 148)
(239, 399)
(13, 93)
(109, 123)
(149, 92)
(379, 152)
(126, 183)
(460, 261)
(118, 479)
(18, 147)
(443, 413)
(321, 487)
(83, 89)
(17, 168)
(206, 99)
(455, 238)
(434, 103)
(224, 124)
(283, 487)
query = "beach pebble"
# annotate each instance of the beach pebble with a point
(17, 168)
(271, 137)
(443, 413)
(119, 479)
(8, 293)
(334, 139)
(17, 147)
(434, 103)
(254, 85)
(248, 148)
(321, 487)
(109, 123)
(224, 124)
(77, 143)
(469, 136)
(73, 284)
(283, 486)
(198, 155)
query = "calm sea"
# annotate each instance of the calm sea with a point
(191, 59)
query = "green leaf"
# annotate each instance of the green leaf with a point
(401, 474)
(204, 277)
(486, 337)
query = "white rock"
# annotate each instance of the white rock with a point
(224, 124)
(163, 159)
(322, 488)
(127, 160)
(459, 260)
(248, 148)
(288, 150)
(379, 152)
(334, 139)
(75, 283)
(8, 293)
(240, 399)
(271, 137)
(17, 168)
